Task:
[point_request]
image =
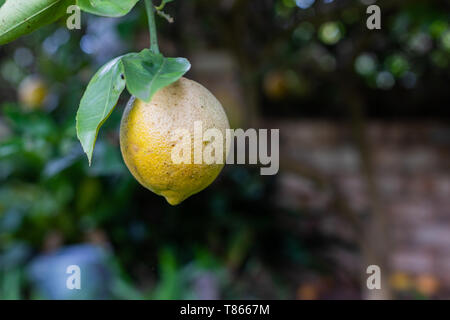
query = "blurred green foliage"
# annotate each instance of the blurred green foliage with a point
(231, 240)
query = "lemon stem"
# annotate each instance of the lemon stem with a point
(152, 26)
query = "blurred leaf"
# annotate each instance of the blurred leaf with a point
(20, 17)
(205, 259)
(123, 290)
(10, 283)
(55, 166)
(10, 147)
(98, 102)
(168, 285)
(239, 248)
(108, 160)
(121, 286)
(108, 8)
(89, 192)
(11, 220)
(147, 72)
(14, 255)
(397, 64)
(35, 124)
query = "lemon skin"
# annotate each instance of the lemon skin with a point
(147, 139)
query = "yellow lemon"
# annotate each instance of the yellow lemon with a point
(32, 92)
(427, 284)
(149, 132)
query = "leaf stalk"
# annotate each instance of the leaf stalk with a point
(152, 26)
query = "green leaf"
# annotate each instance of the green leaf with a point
(2, 2)
(147, 72)
(107, 8)
(98, 102)
(20, 17)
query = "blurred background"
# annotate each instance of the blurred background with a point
(364, 148)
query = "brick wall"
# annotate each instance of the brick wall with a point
(412, 170)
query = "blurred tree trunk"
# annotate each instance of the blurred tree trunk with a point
(376, 236)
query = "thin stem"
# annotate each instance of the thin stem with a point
(152, 26)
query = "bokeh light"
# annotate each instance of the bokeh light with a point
(365, 64)
(331, 32)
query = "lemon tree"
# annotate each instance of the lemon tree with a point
(144, 74)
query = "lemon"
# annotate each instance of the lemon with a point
(147, 139)
(32, 92)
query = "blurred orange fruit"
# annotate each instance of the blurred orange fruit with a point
(427, 284)
(308, 291)
(275, 85)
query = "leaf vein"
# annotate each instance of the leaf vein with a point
(31, 17)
